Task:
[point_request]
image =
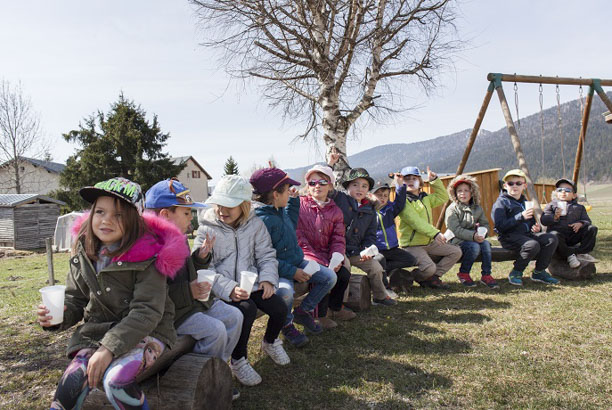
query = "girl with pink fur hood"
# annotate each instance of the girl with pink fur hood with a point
(117, 285)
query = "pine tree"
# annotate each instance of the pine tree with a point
(120, 143)
(230, 167)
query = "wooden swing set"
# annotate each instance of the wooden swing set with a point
(495, 84)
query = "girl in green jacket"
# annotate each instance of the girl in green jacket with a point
(419, 236)
(117, 286)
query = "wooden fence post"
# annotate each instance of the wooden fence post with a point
(49, 245)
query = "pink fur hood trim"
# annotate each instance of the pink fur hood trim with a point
(168, 245)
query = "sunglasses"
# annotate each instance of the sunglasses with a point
(518, 183)
(321, 182)
(568, 190)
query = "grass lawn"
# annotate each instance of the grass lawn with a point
(533, 347)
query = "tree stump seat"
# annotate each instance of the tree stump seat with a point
(180, 379)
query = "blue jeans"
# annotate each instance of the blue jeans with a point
(471, 250)
(322, 282)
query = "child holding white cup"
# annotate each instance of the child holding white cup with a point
(467, 221)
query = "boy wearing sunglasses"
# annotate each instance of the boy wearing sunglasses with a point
(570, 223)
(518, 230)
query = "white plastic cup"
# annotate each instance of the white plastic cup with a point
(563, 206)
(247, 280)
(449, 235)
(53, 299)
(311, 268)
(482, 231)
(369, 251)
(336, 259)
(206, 275)
(528, 205)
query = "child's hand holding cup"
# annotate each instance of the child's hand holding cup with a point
(51, 312)
(206, 278)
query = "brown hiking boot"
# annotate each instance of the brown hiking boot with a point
(342, 314)
(327, 323)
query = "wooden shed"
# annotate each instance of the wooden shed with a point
(27, 219)
(489, 182)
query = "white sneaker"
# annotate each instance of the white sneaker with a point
(391, 294)
(276, 352)
(573, 261)
(244, 372)
(586, 257)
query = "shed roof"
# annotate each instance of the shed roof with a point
(13, 200)
(54, 167)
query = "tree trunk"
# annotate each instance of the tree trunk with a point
(335, 128)
(17, 179)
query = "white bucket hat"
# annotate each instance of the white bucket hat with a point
(231, 191)
(321, 169)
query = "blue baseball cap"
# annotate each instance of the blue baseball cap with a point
(410, 171)
(170, 192)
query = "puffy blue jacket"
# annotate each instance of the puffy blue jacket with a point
(359, 222)
(506, 214)
(281, 224)
(386, 233)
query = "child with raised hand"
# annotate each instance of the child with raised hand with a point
(395, 258)
(214, 325)
(277, 204)
(117, 285)
(465, 217)
(517, 230)
(419, 236)
(360, 222)
(242, 243)
(320, 233)
(569, 222)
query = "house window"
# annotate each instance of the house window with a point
(195, 174)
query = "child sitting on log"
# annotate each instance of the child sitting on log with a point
(466, 219)
(419, 236)
(517, 230)
(571, 225)
(277, 204)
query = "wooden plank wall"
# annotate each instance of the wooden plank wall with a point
(6, 227)
(34, 223)
(488, 180)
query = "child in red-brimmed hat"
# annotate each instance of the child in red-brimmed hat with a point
(466, 219)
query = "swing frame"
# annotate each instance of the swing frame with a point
(495, 84)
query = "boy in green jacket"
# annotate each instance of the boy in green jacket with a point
(419, 236)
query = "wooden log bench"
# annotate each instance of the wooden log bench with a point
(180, 379)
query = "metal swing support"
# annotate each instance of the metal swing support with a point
(495, 84)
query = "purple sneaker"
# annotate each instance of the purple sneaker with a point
(305, 319)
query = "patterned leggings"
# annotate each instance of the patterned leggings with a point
(119, 378)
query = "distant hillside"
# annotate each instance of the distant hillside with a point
(494, 149)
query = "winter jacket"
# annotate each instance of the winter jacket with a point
(507, 217)
(247, 247)
(416, 222)
(575, 213)
(463, 220)
(320, 230)
(281, 224)
(127, 300)
(360, 222)
(180, 291)
(386, 233)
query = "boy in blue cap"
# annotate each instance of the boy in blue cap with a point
(215, 325)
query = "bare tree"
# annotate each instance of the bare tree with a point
(19, 133)
(330, 61)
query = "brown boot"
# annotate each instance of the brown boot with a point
(327, 323)
(342, 314)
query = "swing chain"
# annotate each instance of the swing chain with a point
(516, 104)
(560, 127)
(541, 89)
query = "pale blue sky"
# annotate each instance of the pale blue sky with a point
(74, 57)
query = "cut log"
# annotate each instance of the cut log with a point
(358, 291)
(194, 381)
(561, 269)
